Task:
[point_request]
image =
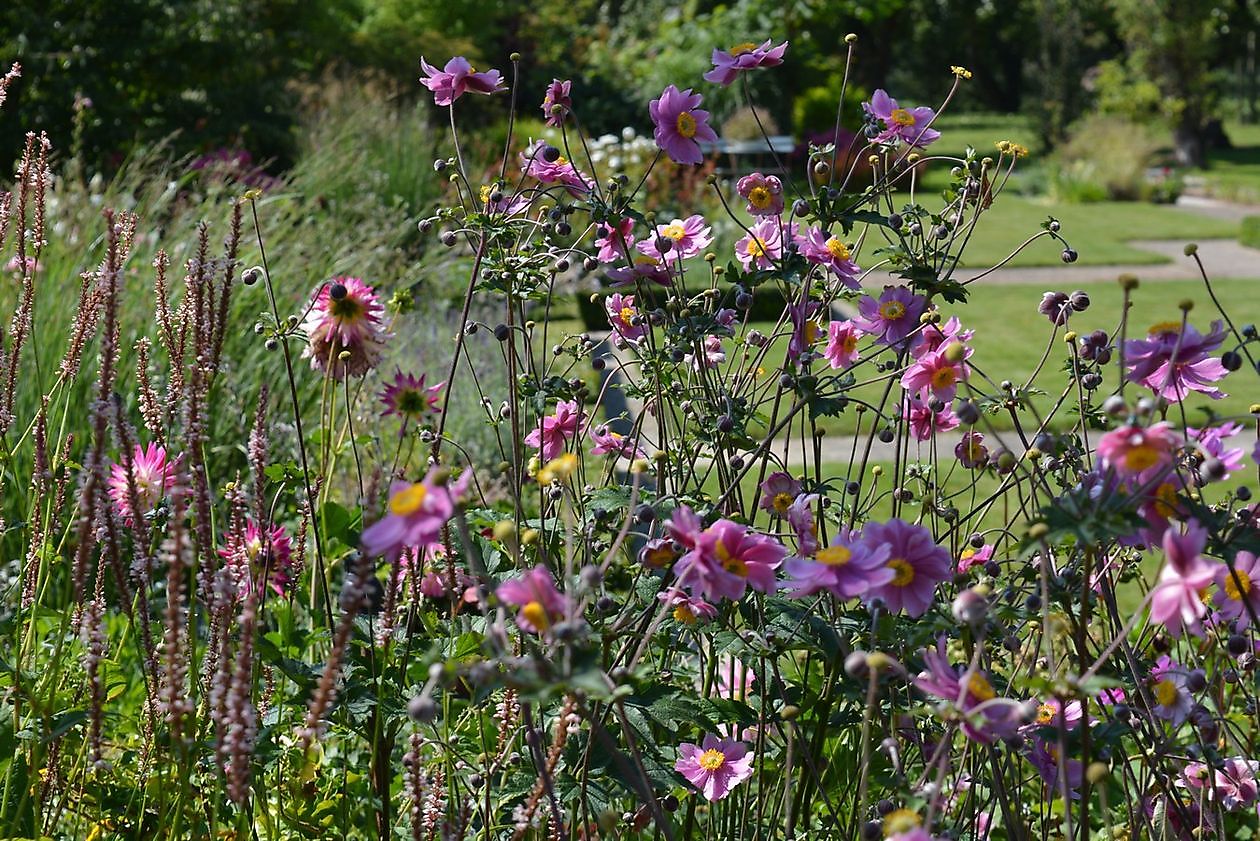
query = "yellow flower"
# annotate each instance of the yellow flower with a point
(558, 469)
(960, 72)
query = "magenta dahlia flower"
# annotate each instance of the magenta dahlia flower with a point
(842, 342)
(414, 515)
(457, 78)
(534, 592)
(715, 766)
(554, 431)
(622, 315)
(918, 563)
(764, 194)
(893, 316)
(1172, 362)
(251, 557)
(1238, 590)
(728, 64)
(154, 476)
(681, 125)
(557, 103)
(685, 238)
(909, 125)
(346, 317)
(408, 398)
(846, 569)
(822, 249)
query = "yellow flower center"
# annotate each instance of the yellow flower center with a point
(347, 309)
(810, 332)
(1045, 714)
(1166, 499)
(408, 501)
(760, 198)
(756, 247)
(1173, 327)
(1165, 693)
(729, 562)
(1141, 457)
(904, 572)
(485, 193)
(900, 821)
(1237, 584)
(558, 469)
(849, 343)
(838, 249)
(740, 49)
(686, 124)
(626, 314)
(660, 556)
(980, 688)
(892, 310)
(944, 378)
(644, 260)
(684, 614)
(967, 553)
(536, 615)
(835, 556)
(902, 117)
(711, 760)
(782, 502)
(674, 231)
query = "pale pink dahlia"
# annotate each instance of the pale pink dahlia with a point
(154, 477)
(346, 317)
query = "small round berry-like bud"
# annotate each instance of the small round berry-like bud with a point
(821, 167)
(447, 238)
(549, 153)
(1237, 644)
(1054, 226)
(252, 275)
(1185, 305)
(422, 709)
(855, 664)
(1079, 300)
(439, 165)
(850, 38)
(271, 343)
(955, 352)
(1097, 772)
(1069, 255)
(895, 221)
(1191, 249)
(1038, 530)
(502, 331)
(1128, 282)
(1231, 360)
(800, 207)
(337, 291)
(590, 264)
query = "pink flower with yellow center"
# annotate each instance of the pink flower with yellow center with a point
(938, 373)
(909, 125)
(727, 560)
(1238, 590)
(681, 125)
(685, 238)
(715, 766)
(891, 317)
(1176, 602)
(346, 318)
(541, 604)
(764, 194)
(846, 569)
(689, 610)
(622, 317)
(763, 244)
(554, 431)
(560, 171)
(1173, 361)
(414, 515)
(842, 344)
(457, 78)
(917, 562)
(557, 103)
(1134, 451)
(614, 243)
(728, 64)
(252, 558)
(824, 249)
(778, 492)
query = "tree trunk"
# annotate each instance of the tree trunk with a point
(1188, 144)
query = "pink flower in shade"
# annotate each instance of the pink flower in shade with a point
(554, 431)
(727, 560)
(934, 373)
(681, 125)
(687, 238)
(1175, 599)
(986, 717)
(414, 515)
(971, 557)
(893, 316)
(764, 194)
(1236, 784)
(800, 517)
(250, 558)
(658, 553)
(541, 604)
(805, 329)
(1135, 451)
(822, 249)
(557, 103)
(1173, 701)
(153, 475)
(715, 766)
(684, 527)
(560, 171)
(711, 355)
(917, 562)
(1238, 590)
(689, 610)
(760, 248)
(1054, 713)
(508, 204)
(909, 125)
(346, 317)
(614, 244)
(1211, 440)
(1046, 758)
(728, 64)
(734, 680)
(642, 267)
(409, 398)
(846, 569)
(1172, 362)
(1110, 697)
(842, 344)
(932, 337)
(457, 78)
(971, 451)
(622, 313)
(778, 491)
(614, 443)
(925, 423)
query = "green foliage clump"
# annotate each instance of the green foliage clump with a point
(1106, 158)
(1249, 232)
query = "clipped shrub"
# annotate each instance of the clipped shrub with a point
(1106, 158)
(1249, 232)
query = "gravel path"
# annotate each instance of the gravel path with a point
(1221, 258)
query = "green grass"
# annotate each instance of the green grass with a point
(1234, 174)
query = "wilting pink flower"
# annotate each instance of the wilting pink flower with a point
(1175, 599)
(414, 515)
(971, 557)
(614, 243)
(1211, 443)
(936, 374)
(622, 313)
(1236, 783)
(910, 125)
(764, 194)
(346, 317)
(1172, 362)
(1238, 590)
(760, 248)
(1138, 451)
(727, 64)
(687, 609)
(642, 267)
(842, 342)
(681, 125)
(560, 171)
(917, 562)
(534, 592)
(727, 559)
(800, 517)
(609, 442)
(711, 354)
(778, 491)
(557, 102)
(250, 557)
(715, 766)
(554, 431)
(925, 423)
(686, 238)
(822, 249)
(457, 78)
(846, 569)
(1173, 701)
(986, 717)
(408, 398)
(971, 451)
(154, 477)
(893, 316)
(1046, 758)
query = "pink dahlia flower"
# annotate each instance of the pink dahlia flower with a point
(407, 397)
(909, 125)
(554, 431)
(154, 477)
(917, 562)
(728, 64)
(681, 125)
(346, 317)
(457, 78)
(541, 604)
(252, 558)
(715, 766)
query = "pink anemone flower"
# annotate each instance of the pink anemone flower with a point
(681, 125)
(457, 78)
